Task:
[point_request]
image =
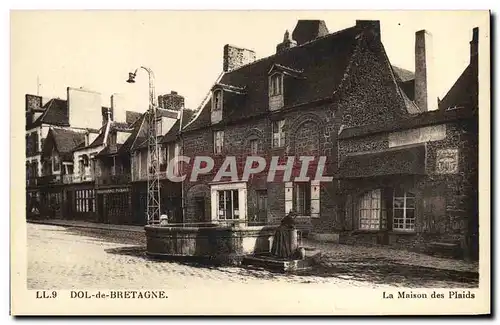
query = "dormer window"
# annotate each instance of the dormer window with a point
(217, 100)
(158, 127)
(276, 84)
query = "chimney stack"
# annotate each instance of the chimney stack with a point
(474, 45)
(425, 89)
(172, 101)
(235, 57)
(118, 108)
(308, 30)
(286, 44)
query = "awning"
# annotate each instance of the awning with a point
(404, 161)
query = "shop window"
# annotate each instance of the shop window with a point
(403, 210)
(85, 201)
(372, 212)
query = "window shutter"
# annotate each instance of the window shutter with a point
(315, 199)
(349, 213)
(288, 197)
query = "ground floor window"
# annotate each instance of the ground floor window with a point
(228, 201)
(403, 211)
(372, 213)
(228, 204)
(302, 199)
(85, 201)
(388, 208)
(118, 204)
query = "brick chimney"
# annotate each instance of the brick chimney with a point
(172, 101)
(235, 57)
(474, 45)
(308, 30)
(286, 44)
(371, 26)
(33, 102)
(425, 89)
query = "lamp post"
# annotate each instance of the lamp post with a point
(153, 195)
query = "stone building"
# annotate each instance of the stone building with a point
(290, 104)
(412, 182)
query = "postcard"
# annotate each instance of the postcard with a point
(250, 162)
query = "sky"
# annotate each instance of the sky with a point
(97, 49)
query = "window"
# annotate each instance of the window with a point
(55, 162)
(35, 168)
(170, 152)
(278, 133)
(85, 201)
(228, 205)
(404, 211)
(217, 101)
(28, 145)
(158, 127)
(35, 142)
(254, 146)
(276, 85)
(302, 199)
(218, 141)
(372, 213)
(112, 138)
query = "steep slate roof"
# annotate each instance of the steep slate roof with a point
(108, 151)
(403, 75)
(321, 63)
(131, 117)
(56, 113)
(127, 145)
(173, 133)
(322, 73)
(464, 93)
(66, 140)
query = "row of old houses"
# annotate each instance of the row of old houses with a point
(404, 162)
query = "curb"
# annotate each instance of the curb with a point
(82, 226)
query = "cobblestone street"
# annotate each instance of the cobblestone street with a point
(70, 258)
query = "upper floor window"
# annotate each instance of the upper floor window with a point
(217, 100)
(218, 141)
(276, 85)
(278, 133)
(112, 138)
(55, 162)
(254, 146)
(158, 127)
(35, 142)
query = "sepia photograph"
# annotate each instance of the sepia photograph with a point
(250, 162)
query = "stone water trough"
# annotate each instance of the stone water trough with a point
(214, 244)
(223, 245)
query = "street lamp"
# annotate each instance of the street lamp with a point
(153, 194)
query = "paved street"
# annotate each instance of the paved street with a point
(69, 257)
